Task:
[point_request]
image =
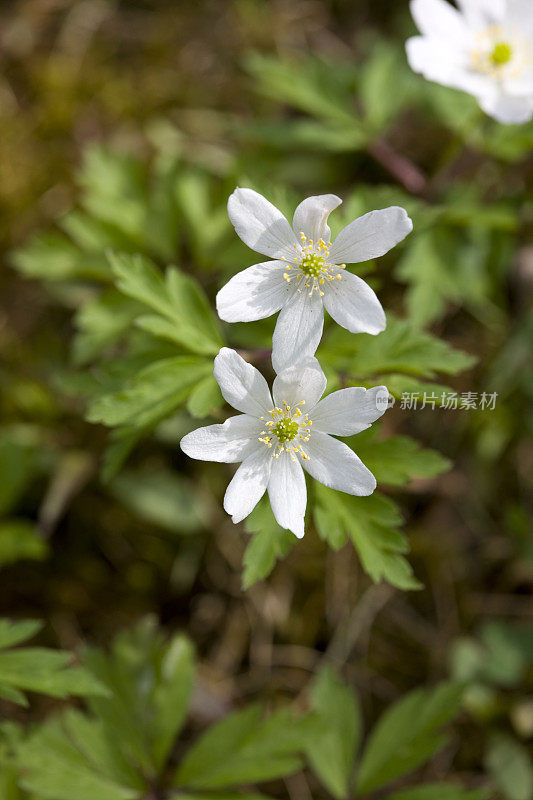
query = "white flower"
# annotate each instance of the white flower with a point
(308, 273)
(484, 48)
(274, 438)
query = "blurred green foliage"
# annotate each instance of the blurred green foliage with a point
(123, 746)
(123, 129)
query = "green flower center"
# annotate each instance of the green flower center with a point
(285, 429)
(501, 54)
(312, 265)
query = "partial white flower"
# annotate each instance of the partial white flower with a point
(485, 48)
(274, 438)
(308, 273)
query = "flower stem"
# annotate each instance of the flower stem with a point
(407, 173)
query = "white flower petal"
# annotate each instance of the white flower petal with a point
(371, 235)
(248, 485)
(242, 386)
(350, 411)
(303, 381)
(311, 216)
(288, 494)
(439, 62)
(507, 109)
(260, 224)
(482, 13)
(298, 329)
(354, 305)
(333, 463)
(519, 15)
(439, 19)
(232, 441)
(254, 293)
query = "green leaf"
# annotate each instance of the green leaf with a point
(207, 223)
(205, 398)
(384, 85)
(219, 796)
(510, 765)
(501, 656)
(406, 387)
(435, 284)
(407, 735)
(371, 523)
(20, 539)
(269, 543)
(398, 459)
(242, 748)
(309, 84)
(154, 393)
(184, 315)
(304, 133)
(507, 657)
(12, 633)
(114, 190)
(56, 765)
(439, 791)
(38, 669)
(161, 497)
(171, 696)
(399, 348)
(122, 441)
(93, 235)
(149, 680)
(51, 256)
(334, 732)
(101, 323)
(458, 110)
(18, 464)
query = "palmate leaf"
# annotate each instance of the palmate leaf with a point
(72, 758)
(242, 748)
(205, 398)
(303, 133)
(333, 732)
(384, 87)
(151, 395)
(206, 221)
(398, 459)
(371, 523)
(114, 189)
(436, 284)
(309, 85)
(401, 385)
(51, 256)
(38, 669)
(400, 348)
(150, 681)
(183, 314)
(407, 734)
(101, 323)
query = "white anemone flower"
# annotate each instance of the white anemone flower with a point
(275, 438)
(485, 47)
(309, 271)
